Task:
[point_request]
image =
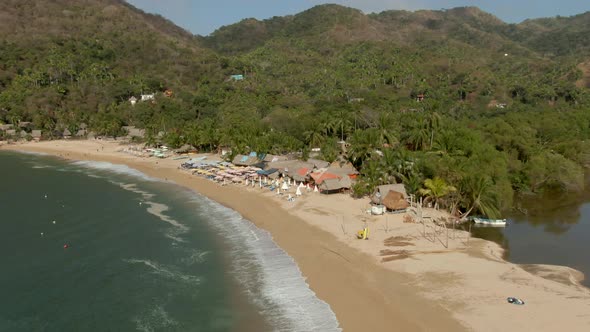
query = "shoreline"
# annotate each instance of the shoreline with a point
(416, 285)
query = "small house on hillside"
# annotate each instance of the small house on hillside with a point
(134, 132)
(67, 133)
(81, 133)
(6, 127)
(36, 135)
(25, 125)
(238, 77)
(420, 97)
(148, 97)
(133, 100)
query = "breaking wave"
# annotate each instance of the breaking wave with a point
(166, 272)
(270, 275)
(115, 168)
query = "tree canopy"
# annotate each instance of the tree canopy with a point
(439, 100)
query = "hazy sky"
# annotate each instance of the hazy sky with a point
(204, 16)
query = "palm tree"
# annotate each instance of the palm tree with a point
(384, 125)
(314, 137)
(478, 195)
(433, 124)
(362, 145)
(419, 136)
(436, 189)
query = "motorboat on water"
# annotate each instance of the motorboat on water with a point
(490, 222)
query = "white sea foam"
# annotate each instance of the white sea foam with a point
(270, 275)
(133, 188)
(33, 153)
(272, 278)
(155, 319)
(40, 166)
(195, 257)
(115, 168)
(166, 272)
(156, 209)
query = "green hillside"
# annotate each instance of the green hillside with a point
(492, 109)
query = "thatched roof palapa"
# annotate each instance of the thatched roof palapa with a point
(185, 149)
(395, 201)
(336, 184)
(385, 189)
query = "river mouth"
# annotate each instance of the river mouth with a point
(548, 229)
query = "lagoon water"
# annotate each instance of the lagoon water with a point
(555, 230)
(142, 255)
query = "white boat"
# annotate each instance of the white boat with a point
(490, 222)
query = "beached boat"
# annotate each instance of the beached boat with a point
(490, 222)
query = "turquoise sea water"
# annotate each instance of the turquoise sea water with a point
(142, 255)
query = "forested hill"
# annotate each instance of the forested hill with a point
(479, 108)
(347, 25)
(69, 58)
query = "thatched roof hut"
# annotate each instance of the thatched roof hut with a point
(395, 201)
(345, 168)
(249, 160)
(332, 185)
(385, 189)
(186, 149)
(317, 163)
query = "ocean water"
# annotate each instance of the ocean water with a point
(92, 246)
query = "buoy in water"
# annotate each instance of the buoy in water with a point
(45, 196)
(54, 222)
(66, 246)
(41, 233)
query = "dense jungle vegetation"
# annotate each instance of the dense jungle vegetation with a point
(461, 107)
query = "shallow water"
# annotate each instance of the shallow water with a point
(142, 255)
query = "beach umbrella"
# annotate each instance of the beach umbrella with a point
(301, 185)
(285, 186)
(289, 181)
(315, 189)
(298, 192)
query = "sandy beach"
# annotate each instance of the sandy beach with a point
(406, 277)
